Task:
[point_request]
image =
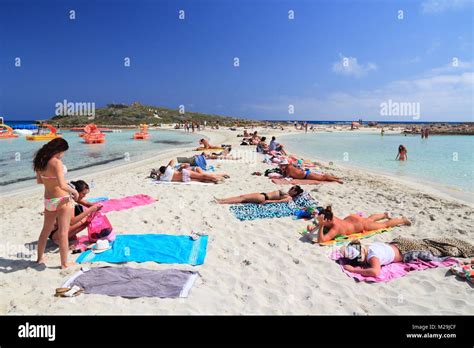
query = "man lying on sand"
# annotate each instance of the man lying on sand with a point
(376, 255)
(291, 171)
(262, 198)
(331, 226)
(186, 173)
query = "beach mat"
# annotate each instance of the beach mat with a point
(391, 271)
(133, 282)
(252, 211)
(295, 182)
(161, 248)
(342, 239)
(126, 203)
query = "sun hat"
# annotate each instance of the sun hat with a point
(101, 245)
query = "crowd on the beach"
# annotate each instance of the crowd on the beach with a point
(67, 212)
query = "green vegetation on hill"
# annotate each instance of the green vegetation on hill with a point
(123, 115)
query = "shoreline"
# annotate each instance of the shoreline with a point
(252, 267)
(432, 187)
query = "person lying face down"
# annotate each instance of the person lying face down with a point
(204, 145)
(275, 146)
(329, 226)
(290, 171)
(278, 196)
(185, 173)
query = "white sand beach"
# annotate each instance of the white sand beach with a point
(252, 267)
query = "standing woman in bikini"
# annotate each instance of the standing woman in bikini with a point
(58, 196)
(402, 153)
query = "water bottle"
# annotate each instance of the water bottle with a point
(92, 184)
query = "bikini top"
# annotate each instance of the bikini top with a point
(53, 177)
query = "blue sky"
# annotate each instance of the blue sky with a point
(336, 60)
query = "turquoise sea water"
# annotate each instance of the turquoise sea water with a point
(16, 155)
(444, 160)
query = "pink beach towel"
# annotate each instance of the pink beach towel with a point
(126, 203)
(393, 270)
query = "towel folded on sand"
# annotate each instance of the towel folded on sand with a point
(162, 248)
(391, 271)
(126, 203)
(133, 282)
(287, 181)
(442, 246)
(252, 211)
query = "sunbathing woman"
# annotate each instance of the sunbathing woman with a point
(58, 196)
(169, 173)
(376, 255)
(263, 198)
(206, 146)
(331, 226)
(291, 171)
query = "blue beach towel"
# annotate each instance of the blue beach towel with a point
(97, 199)
(161, 248)
(201, 162)
(251, 211)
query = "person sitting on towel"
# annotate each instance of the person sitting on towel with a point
(275, 146)
(82, 210)
(330, 226)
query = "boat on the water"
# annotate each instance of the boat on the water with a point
(6, 132)
(92, 134)
(41, 135)
(143, 133)
(102, 129)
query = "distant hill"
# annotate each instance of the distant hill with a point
(123, 115)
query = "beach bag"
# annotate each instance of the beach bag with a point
(99, 227)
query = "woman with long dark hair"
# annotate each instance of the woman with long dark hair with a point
(58, 196)
(402, 153)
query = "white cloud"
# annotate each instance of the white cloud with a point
(350, 67)
(438, 6)
(444, 94)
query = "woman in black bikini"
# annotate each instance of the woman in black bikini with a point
(263, 197)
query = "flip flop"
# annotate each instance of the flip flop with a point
(60, 291)
(72, 292)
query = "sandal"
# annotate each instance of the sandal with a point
(66, 292)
